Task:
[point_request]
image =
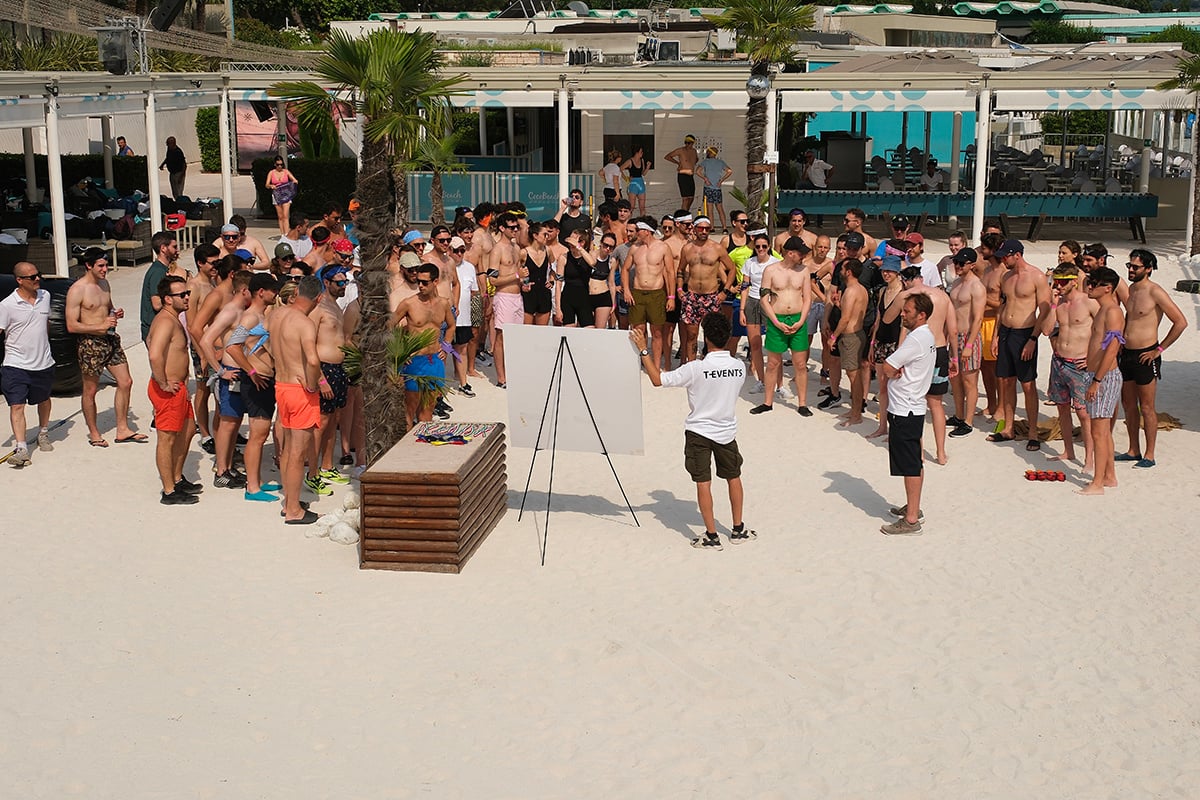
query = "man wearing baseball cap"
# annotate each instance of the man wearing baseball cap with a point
(685, 158)
(283, 260)
(915, 255)
(1024, 305)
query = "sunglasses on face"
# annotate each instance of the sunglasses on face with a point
(741, 221)
(440, 240)
(1131, 265)
(342, 282)
(668, 229)
(345, 255)
(34, 277)
(180, 294)
(701, 229)
(513, 227)
(1063, 281)
(762, 247)
(460, 250)
(607, 244)
(286, 258)
(295, 278)
(230, 236)
(421, 282)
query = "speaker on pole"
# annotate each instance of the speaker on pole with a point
(165, 13)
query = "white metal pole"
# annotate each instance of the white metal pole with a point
(226, 157)
(511, 122)
(30, 165)
(564, 144)
(955, 158)
(983, 128)
(1147, 151)
(483, 142)
(58, 219)
(106, 149)
(152, 162)
(281, 142)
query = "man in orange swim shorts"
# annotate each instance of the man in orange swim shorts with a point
(293, 344)
(167, 347)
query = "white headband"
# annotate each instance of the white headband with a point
(700, 219)
(641, 226)
(684, 218)
(759, 232)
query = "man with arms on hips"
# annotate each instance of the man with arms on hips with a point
(1025, 302)
(909, 371)
(967, 296)
(27, 375)
(167, 348)
(1141, 357)
(93, 320)
(293, 346)
(245, 346)
(786, 295)
(1069, 327)
(705, 277)
(713, 384)
(508, 307)
(229, 379)
(850, 338)
(425, 311)
(685, 158)
(333, 385)
(943, 323)
(166, 251)
(649, 290)
(1104, 346)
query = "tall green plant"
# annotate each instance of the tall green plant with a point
(208, 133)
(1189, 79)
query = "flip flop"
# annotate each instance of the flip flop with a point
(996, 437)
(303, 504)
(97, 443)
(308, 519)
(134, 438)
(1033, 445)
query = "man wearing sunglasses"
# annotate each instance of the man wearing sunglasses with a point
(507, 306)
(27, 374)
(704, 278)
(167, 348)
(1069, 326)
(234, 238)
(571, 217)
(334, 385)
(447, 267)
(426, 372)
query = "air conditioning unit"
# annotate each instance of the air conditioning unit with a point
(726, 39)
(668, 51)
(460, 41)
(488, 42)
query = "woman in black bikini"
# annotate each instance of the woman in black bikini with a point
(885, 337)
(602, 287)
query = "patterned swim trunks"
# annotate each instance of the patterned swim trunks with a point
(1069, 381)
(97, 352)
(335, 376)
(697, 306)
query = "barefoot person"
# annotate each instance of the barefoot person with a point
(1141, 358)
(293, 345)
(93, 320)
(167, 348)
(27, 375)
(849, 337)
(706, 274)
(1104, 344)
(910, 372)
(786, 295)
(426, 372)
(1025, 301)
(508, 307)
(710, 430)
(648, 279)
(229, 377)
(1069, 327)
(968, 298)
(993, 272)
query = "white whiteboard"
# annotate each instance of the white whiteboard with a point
(609, 370)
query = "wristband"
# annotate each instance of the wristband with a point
(252, 372)
(322, 382)
(1159, 348)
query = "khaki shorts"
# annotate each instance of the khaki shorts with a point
(852, 347)
(699, 452)
(649, 305)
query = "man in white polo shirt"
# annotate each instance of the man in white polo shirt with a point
(27, 374)
(909, 371)
(713, 384)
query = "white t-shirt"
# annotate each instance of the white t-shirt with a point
(467, 283)
(754, 269)
(932, 182)
(818, 171)
(300, 247)
(929, 272)
(612, 175)
(916, 356)
(26, 331)
(713, 383)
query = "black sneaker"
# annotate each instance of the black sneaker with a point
(961, 429)
(466, 390)
(762, 408)
(441, 413)
(230, 480)
(208, 446)
(954, 422)
(804, 411)
(825, 392)
(188, 487)
(742, 536)
(178, 498)
(707, 542)
(443, 405)
(830, 402)
(346, 460)
(242, 440)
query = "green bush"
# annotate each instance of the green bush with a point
(208, 131)
(129, 172)
(322, 180)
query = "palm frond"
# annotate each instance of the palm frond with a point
(766, 29)
(403, 345)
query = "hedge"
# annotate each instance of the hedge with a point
(322, 181)
(129, 172)
(208, 132)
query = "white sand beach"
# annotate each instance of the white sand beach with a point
(1031, 643)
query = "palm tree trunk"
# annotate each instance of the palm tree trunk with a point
(756, 126)
(438, 214)
(1195, 243)
(400, 188)
(383, 399)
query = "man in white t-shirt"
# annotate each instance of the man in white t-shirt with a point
(713, 384)
(464, 334)
(916, 258)
(27, 375)
(909, 371)
(931, 181)
(814, 173)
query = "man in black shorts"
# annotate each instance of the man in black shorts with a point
(713, 384)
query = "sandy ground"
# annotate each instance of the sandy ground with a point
(1032, 643)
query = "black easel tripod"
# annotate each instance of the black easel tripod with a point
(555, 388)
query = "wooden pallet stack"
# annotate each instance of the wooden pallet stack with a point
(427, 507)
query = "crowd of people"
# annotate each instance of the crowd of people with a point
(263, 335)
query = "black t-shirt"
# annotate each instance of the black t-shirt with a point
(175, 160)
(568, 224)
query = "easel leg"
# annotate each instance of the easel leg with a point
(555, 372)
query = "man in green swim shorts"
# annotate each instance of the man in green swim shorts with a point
(786, 297)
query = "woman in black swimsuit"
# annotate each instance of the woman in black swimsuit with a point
(536, 292)
(885, 337)
(575, 267)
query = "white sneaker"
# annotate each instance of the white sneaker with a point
(19, 458)
(44, 442)
(483, 360)
(358, 471)
(784, 392)
(757, 388)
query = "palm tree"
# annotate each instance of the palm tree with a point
(766, 31)
(392, 80)
(1189, 79)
